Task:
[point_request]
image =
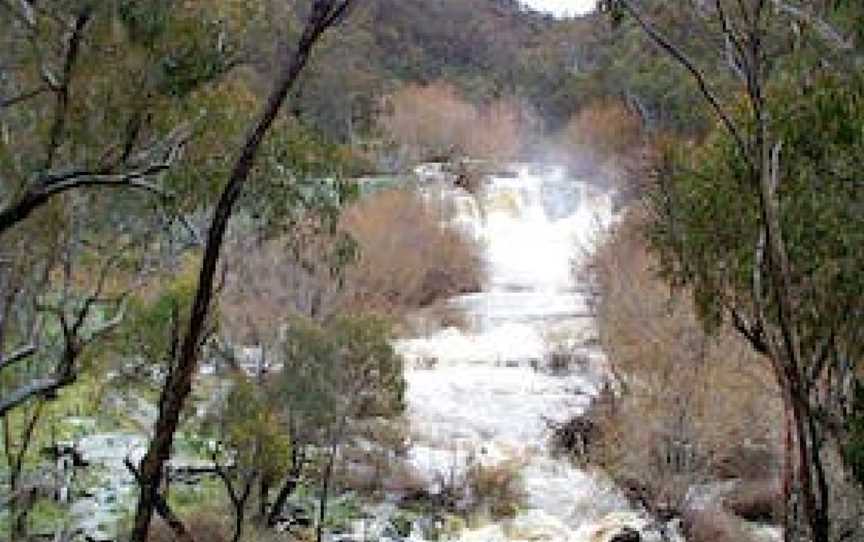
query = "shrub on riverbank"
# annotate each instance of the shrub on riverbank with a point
(409, 257)
(394, 253)
(688, 408)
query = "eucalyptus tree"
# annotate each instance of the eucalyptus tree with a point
(322, 15)
(763, 221)
(103, 108)
(334, 374)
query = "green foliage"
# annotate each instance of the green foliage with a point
(708, 220)
(145, 23)
(162, 55)
(153, 322)
(345, 368)
(254, 430)
(300, 173)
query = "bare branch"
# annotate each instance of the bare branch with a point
(751, 331)
(735, 50)
(53, 184)
(108, 325)
(18, 355)
(688, 64)
(42, 387)
(62, 91)
(23, 97)
(27, 437)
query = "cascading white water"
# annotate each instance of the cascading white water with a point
(476, 392)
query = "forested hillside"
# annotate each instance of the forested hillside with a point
(400, 270)
(488, 48)
(745, 203)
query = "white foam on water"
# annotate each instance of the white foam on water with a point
(482, 400)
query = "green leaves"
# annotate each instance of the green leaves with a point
(346, 367)
(146, 22)
(708, 220)
(254, 429)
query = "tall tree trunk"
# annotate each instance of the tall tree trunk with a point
(292, 480)
(178, 385)
(788, 351)
(239, 502)
(325, 489)
(263, 497)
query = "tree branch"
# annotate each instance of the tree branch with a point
(49, 185)
(60, 114)
(16, 356)
(23, 97)
(688, 64)
(163, 509)
(42, 387)
(179, 384)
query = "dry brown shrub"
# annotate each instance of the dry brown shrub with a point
(481, 490)
(409, 257)
(605, 141)
(688, 400)
(756, 500)
(270, 280)
(496, 488)
(203, 525)
(745, 462)
(606, 128)
(497, 131)
(434, 121)
(713, 525)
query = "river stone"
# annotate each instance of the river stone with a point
(627, 535)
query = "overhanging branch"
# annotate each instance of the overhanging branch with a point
(22, 353)
(682, 59)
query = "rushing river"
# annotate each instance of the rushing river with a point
(477, 393)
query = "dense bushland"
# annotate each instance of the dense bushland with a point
(684, 409)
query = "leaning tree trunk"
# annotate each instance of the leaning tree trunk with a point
(178, 385)
(786, 348)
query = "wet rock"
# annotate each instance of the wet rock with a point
(537, 525)
(627, 535)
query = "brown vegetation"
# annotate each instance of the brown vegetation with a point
(409, 258)
(496, 488)
(481, 490)
(204, 526)
(606, 128)
(434, 121)
(690, 407)
(713, 525)
(607, 140)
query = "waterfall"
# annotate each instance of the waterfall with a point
(476, 393)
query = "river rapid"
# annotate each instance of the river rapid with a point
(479, 394)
